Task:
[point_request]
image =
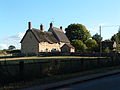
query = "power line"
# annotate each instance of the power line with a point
(110, 25)
(100, 28)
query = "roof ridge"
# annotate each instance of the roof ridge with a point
(45, 36)
(68, 44)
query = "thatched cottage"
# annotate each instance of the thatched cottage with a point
(53, 40)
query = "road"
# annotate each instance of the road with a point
(107, 83)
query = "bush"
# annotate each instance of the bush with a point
(91, 44)
(79, 45)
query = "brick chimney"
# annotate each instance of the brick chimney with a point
(41, 27)
(51, 25)
(61, 27)
(29, 25)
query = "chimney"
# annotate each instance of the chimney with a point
(29, 25)
(51, 25)
(41, 27)
(61, 27)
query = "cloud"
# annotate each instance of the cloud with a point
(17, 37)
(102, 24)
(3, 46)
(20, 35)
(93, 29)
(14, 40)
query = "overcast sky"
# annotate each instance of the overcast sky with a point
(15, 14)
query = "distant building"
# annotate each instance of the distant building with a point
(67, 48)
(35, 40)
(111, 45)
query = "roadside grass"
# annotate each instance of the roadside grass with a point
(56, 78)
(53, 78)
(50, 57)
(45, 59)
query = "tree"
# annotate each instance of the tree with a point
(107, 50)
(79, 45)
(91, 44)
(11, 47)
(97, 37)
(107, 40)
(108, 45)
(77, 32)
(116, 37)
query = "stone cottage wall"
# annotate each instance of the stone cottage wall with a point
(47, 47)
(29, 45)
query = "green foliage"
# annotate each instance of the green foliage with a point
(3, 51)
(77, 32)
(97, 37)
(107, 50)
(11, 47)
(107, 45)
(79, 45)
(14, 51)
(116, 37)
(91, 44)
(118, 48)
(107, 40)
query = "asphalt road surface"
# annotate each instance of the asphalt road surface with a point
(107, 83)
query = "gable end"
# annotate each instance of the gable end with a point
(26, 34)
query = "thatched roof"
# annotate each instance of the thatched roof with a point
(59, 35)
(42, 36)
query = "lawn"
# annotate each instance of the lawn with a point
(52, 57)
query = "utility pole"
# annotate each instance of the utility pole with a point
(119, 29)
(116, 37)
(100, 41)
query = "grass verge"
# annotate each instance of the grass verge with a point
(56, 78)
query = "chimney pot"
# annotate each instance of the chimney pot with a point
(61, 27)
(29, 25)
(41, 27)
(51, 25)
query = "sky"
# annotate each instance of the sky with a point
(15, 15)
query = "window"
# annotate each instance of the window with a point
(46, 50)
